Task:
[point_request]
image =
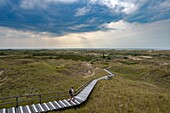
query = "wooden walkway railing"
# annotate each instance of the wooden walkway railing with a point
(37, 98)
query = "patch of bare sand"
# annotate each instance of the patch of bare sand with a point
(134, 58)
(1, 72)
(165, 64)
(90, 73)
(147, 57)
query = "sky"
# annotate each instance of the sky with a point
(84, 24)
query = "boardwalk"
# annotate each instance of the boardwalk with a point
(55, 105)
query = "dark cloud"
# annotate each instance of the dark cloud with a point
(59, 17)
(150, 11)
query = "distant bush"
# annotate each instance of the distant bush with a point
(76, 57)
(129, 62)
(2, 53)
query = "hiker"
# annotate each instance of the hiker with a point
(71, 93)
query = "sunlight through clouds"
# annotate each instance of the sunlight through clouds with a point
(141, 35)
(126, 6)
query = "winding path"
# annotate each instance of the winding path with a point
(56, 105)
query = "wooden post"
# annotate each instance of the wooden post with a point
(103, 55)
(17, 103)
(40, 99)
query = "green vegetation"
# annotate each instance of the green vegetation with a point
(141, 84)
(120, 95)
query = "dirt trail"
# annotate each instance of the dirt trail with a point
(93, 73)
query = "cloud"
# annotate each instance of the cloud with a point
(2, 1)
(63, 17)
(150, 35)
(165, 4)
(150, 12)
(29, 4)
(10, 38)
(76, 27)
(82, 37)
(82, 11)
(126, 6)
(119, 25)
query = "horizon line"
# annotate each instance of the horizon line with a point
(85, 48)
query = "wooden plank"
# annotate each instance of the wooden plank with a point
(71, 102)
(67, 103)
(35, 109)
(80, 101)
(9, 110)
(109, 72)
(77, 101)
(13, 109)
(1, 110)
(46, 106)
(28, 109)
(57, 104)
(17, 110)
(52, 106)
(49, 105)
(78, 98)
(21, 110)
(62, 103)
(38, 108)
(25, 110)
(41, 107)
(62, 106)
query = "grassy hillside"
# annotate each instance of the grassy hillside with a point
(24, 74)
(45, 77)
(120, 95)
(142, 82)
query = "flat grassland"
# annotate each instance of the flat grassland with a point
(141, 84)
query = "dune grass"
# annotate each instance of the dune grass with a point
(32, 76)
(140, 86)
(120, 95)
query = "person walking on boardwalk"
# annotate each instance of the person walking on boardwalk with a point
(71, 93)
